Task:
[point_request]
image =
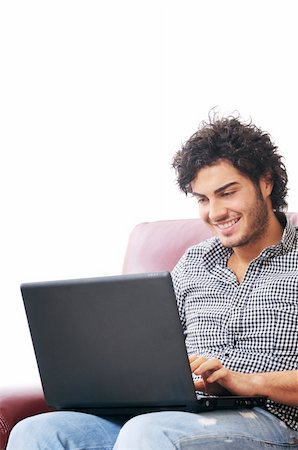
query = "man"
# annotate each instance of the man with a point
(237, 296)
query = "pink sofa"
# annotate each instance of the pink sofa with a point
(152, 246)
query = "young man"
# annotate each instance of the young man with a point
(237, 296)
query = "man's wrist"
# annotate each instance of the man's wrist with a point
(258, 384)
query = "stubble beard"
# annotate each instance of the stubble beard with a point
(259, 219)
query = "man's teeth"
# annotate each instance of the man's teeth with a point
(222, 226)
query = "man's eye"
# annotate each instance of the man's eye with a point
(201, 201)
(227, 194)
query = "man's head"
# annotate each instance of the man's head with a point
(247, 148)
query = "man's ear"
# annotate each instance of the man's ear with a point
(266, 184)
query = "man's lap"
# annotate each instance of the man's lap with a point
(247, 429)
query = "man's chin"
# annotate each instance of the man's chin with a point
(226, 243)
(226, 239)
(230, 242)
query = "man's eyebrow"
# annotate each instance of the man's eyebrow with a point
(225, 186)
(218, 190)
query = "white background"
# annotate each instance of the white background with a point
(96, 97)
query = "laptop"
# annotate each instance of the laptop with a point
(114, 345)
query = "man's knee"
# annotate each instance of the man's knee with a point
(138, 425)
(30, 431)
(147, 431)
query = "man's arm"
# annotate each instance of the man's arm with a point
(281, 387)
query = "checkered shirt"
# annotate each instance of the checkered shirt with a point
(251, 326)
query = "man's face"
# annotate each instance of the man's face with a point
(229, 202)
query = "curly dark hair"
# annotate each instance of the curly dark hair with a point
(244, 145)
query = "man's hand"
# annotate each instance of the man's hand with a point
(217, 380)
(281, 387)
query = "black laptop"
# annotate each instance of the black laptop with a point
(114, 345)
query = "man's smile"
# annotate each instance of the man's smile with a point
(226, 225)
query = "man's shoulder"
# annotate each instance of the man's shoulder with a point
(290, 239)
(203, 248)
(198, 257)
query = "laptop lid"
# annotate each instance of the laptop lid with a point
(112, 345)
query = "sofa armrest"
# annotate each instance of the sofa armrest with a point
(17, 404)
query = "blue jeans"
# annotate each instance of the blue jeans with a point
(243, 429)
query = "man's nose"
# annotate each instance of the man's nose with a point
(217, 211)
